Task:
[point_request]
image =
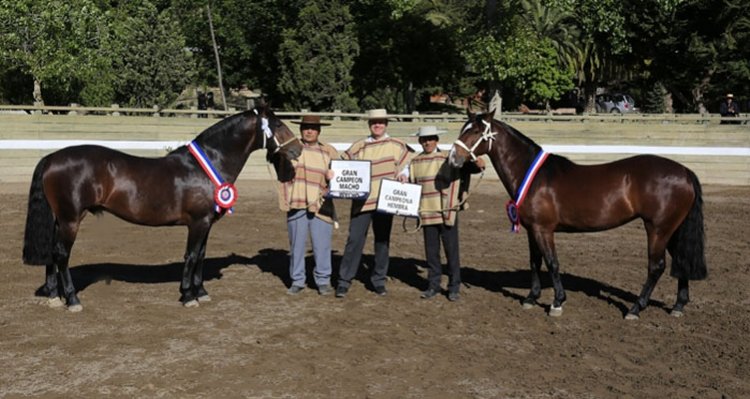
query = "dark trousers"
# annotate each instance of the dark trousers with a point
(433, 234)
(381, 228)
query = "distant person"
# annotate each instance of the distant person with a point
(308, 212)
(388, 158)
(442, 190)
(202, 103)
(210, 101)
(729, 108)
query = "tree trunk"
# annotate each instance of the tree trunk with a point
(589, 90)
(668, 103)
(216, 54)
(490, 9)
(38, 100)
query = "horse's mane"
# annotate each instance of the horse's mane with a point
(213, 134)
(216, 134)
(561, 163)
(520, 136)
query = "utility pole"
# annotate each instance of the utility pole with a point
(216, 54)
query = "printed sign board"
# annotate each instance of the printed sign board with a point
(351, 179)
(399, 198)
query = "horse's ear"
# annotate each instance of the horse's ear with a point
(490, 115)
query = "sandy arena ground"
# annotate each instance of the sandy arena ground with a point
(134, 339)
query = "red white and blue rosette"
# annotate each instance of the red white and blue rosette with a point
(225, 194)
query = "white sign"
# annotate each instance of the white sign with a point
(399, 198)
(351, 179)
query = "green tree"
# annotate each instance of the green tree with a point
(55, 42)
(704, 52)
(248, 36)
(317, 56)
(147, 50)
(409, 47)
(529, 66)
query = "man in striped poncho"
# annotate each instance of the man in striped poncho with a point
(438, 208)
(388, 158)
(308, 212)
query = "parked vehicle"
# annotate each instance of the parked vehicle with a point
(615, 103)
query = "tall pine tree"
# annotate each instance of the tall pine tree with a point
(317, 56)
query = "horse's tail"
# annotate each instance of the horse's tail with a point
(687, 243)
(39, 237)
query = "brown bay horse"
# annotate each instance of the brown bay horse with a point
(172, 190)
(561, 196)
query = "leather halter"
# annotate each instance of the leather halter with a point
(487, 135)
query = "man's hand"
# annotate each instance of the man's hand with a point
(402, 178)
(329, 175)
(480, 163)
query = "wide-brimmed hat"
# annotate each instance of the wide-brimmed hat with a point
(379, 113)
(425, 131)
(311, 120)
(730, 95)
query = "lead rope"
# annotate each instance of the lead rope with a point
(456, 208)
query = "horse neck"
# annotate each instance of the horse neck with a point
(511, 154)
(229, 151)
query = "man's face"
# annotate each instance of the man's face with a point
(310, 133)
(429, 143)
(377, 127)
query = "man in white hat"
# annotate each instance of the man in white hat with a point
(729, 108)
(438, 208)
(389, 160)
(308, 212)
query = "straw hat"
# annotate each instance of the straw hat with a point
(311, 120)
(379, 113)
(425, 131)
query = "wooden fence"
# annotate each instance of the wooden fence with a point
(719, 154)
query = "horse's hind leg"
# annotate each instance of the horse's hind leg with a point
(656, 266)
(683, 297)
(61, 254)
(49, 289)
(535, 261)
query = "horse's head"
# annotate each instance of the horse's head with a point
(278, 138)
(474, 140)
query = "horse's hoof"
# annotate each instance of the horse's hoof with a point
(55, 302)
(632, 316)
(75, 308)
(555, 311)
(191, 304)
(676, 313)
(528, 305)
(204, 298)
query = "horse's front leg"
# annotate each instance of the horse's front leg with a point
(196, 234)
(200, 292)
(535, 261)
(546, 242)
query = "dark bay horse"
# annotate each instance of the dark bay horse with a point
(567, 197)
(172, 190)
